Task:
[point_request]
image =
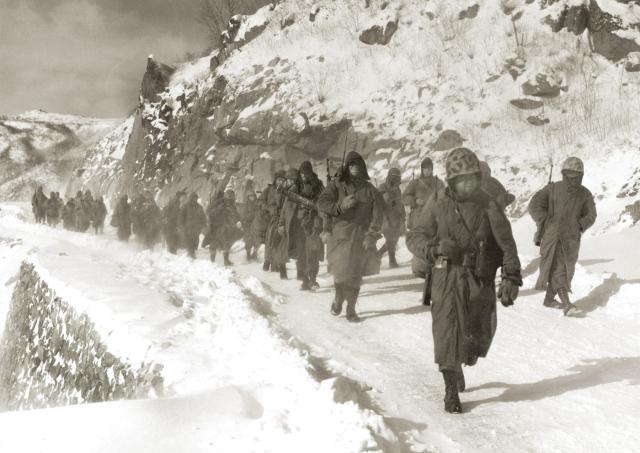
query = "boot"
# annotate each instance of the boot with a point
(462, 385)
(248, 252)
(299, 274)
(212, 254)
(352, 298)
(313, 284)
(226, 259)
(266, 266)
(306, 285)
(283, 272)
(383, 249)
(338, 300)
(567, 306)
(549, 299)
(392, 260)
(451, 399)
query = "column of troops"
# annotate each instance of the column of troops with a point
(456, 229)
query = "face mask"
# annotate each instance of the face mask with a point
(466, 186)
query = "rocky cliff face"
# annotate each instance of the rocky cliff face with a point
(39, 148)
(522, 82)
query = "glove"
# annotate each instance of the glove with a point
(347, 203)
(447, 247)
(324, 237)
(508, 292)
(370, 242)
(281, 230)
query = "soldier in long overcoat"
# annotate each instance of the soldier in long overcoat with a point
(271, 202)
(494, 188)
(192, 222)
(563, 210)
(250, 213)
(420, 190)
(171, 222)
(394, 218)
(312, 223)
(467, 236)
(39, 205)
(151, 216)
(355, 208)
(99, 214)
(69, 214)
(54, 209)
(121, 218)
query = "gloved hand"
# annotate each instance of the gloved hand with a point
(370, 241)
(324, 237)
(281, 230)
(449, 248)
(508, 291)
(347, 203)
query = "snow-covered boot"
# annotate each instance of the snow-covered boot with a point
(306, 285)
(283, 272)
(266, 266)
(452, 403)
(313, 284)
(226, 259)
(567, 306)
(338, 300)
(549, 299)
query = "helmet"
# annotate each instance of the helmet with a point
(426, 163)
(394, 172)
(573, 164)
(462, 161)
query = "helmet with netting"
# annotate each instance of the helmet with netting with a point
(460, 162)
(573, 164)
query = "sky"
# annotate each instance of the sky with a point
(87, 57)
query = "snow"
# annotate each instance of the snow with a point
(220, 356)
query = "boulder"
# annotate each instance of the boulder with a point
(288, 21)
(470, 12)
(155, 79)
(603, 28)
(577, 19)
(537, 120)
(632, 62)
(526, 103)
(542, 85)
(380, 30)
(314, 13)
(448, 139)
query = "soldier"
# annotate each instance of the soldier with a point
(171, 222)
(494, 188)
(223, 225)
(39, 205)
(192, 222)
(151, 219)
(271, 204)
(137, 219)
(393, 222)
(250, 214)
(355, 209)
(69, 215)
(54, 209)
(312, 223)
(121, 218)
(83, 205)
(563, 211)
(99, 214)
(467, 236)
(420, 190)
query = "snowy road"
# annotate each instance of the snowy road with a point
(549, 383)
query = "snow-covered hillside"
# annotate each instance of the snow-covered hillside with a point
(523, 83)
(40, 148)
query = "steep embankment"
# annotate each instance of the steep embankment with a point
(523, 83)
(97, 320)
(39, 148)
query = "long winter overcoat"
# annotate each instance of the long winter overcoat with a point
(464, 303)
(566, 213)
(345, 248)
(223, 217)
(121, 219)
(394, 218)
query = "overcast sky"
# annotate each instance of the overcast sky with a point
(87, 57)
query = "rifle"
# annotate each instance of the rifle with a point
(297, 198)
(537, 237)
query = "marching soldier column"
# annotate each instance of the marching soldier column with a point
(458, 234)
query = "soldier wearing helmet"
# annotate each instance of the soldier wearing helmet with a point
(420, 191)
(563, 211)
(394, 216)
(466, 237)
(494, 188)
(223, 219)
